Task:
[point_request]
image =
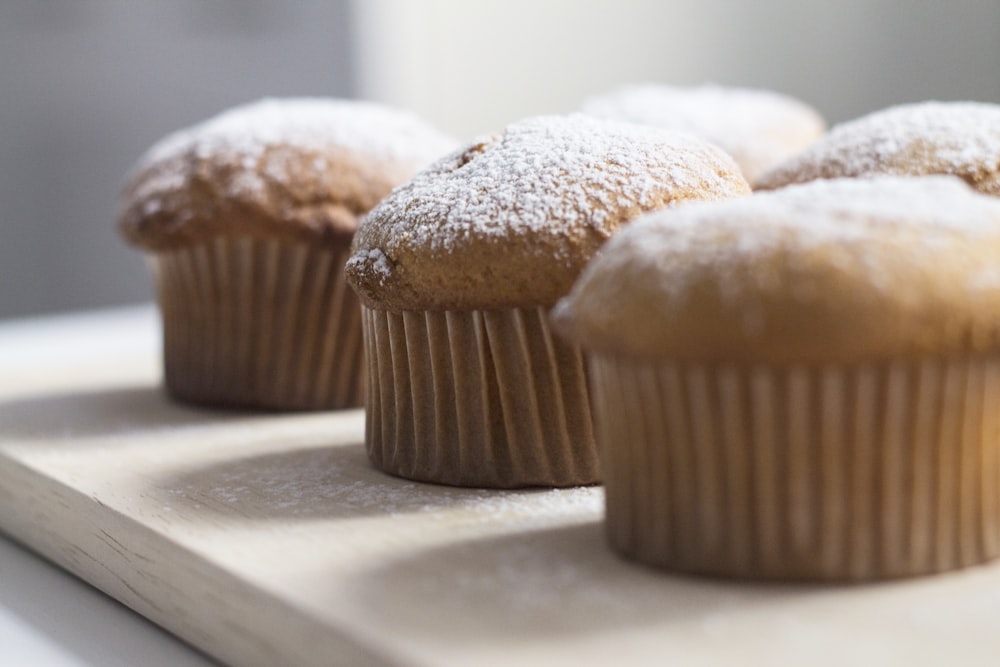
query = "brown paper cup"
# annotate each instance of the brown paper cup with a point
(260, 324)
(837, 473)
(477, 398)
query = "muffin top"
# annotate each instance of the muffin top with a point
(958, 138)
(759, 128)
(295, 168)
(831, 271)
(510, 220)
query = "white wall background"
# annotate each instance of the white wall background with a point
(87, 85)
(473, 66)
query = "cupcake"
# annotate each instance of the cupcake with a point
(248, 219)
(759, 128)
(802, 384)
(457, 270)
(957, 138)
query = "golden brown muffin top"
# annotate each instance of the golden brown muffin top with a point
(957, 138)
(296, 168)
(759, 128)
(831, 271)
(511, 220)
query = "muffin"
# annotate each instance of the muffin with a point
(802, 384)
(247, 219)
(759, 128)
(957, 138)
(457, 270)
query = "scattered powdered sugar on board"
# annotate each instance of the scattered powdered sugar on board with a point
(928, 137)
(340, 482)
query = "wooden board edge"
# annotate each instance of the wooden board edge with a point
(209, 608)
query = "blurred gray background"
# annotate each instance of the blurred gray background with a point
(87, 85)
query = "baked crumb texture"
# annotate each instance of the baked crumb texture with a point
(457, 269)
(248, 219)
(802, 384)
(957, 138)
(510, 220)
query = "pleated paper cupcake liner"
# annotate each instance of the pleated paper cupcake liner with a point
(477, 398)
(260, 324)
(836, 473)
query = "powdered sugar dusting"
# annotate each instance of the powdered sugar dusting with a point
(331, 482)
(757, 127)
(897, 242)
(305, 124)
(376, 261)
(552, 179)
(961, 138)
(840, 216)
(546, 173)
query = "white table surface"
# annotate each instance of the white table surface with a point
(48, 617)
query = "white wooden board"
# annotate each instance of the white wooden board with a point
(267, 540)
